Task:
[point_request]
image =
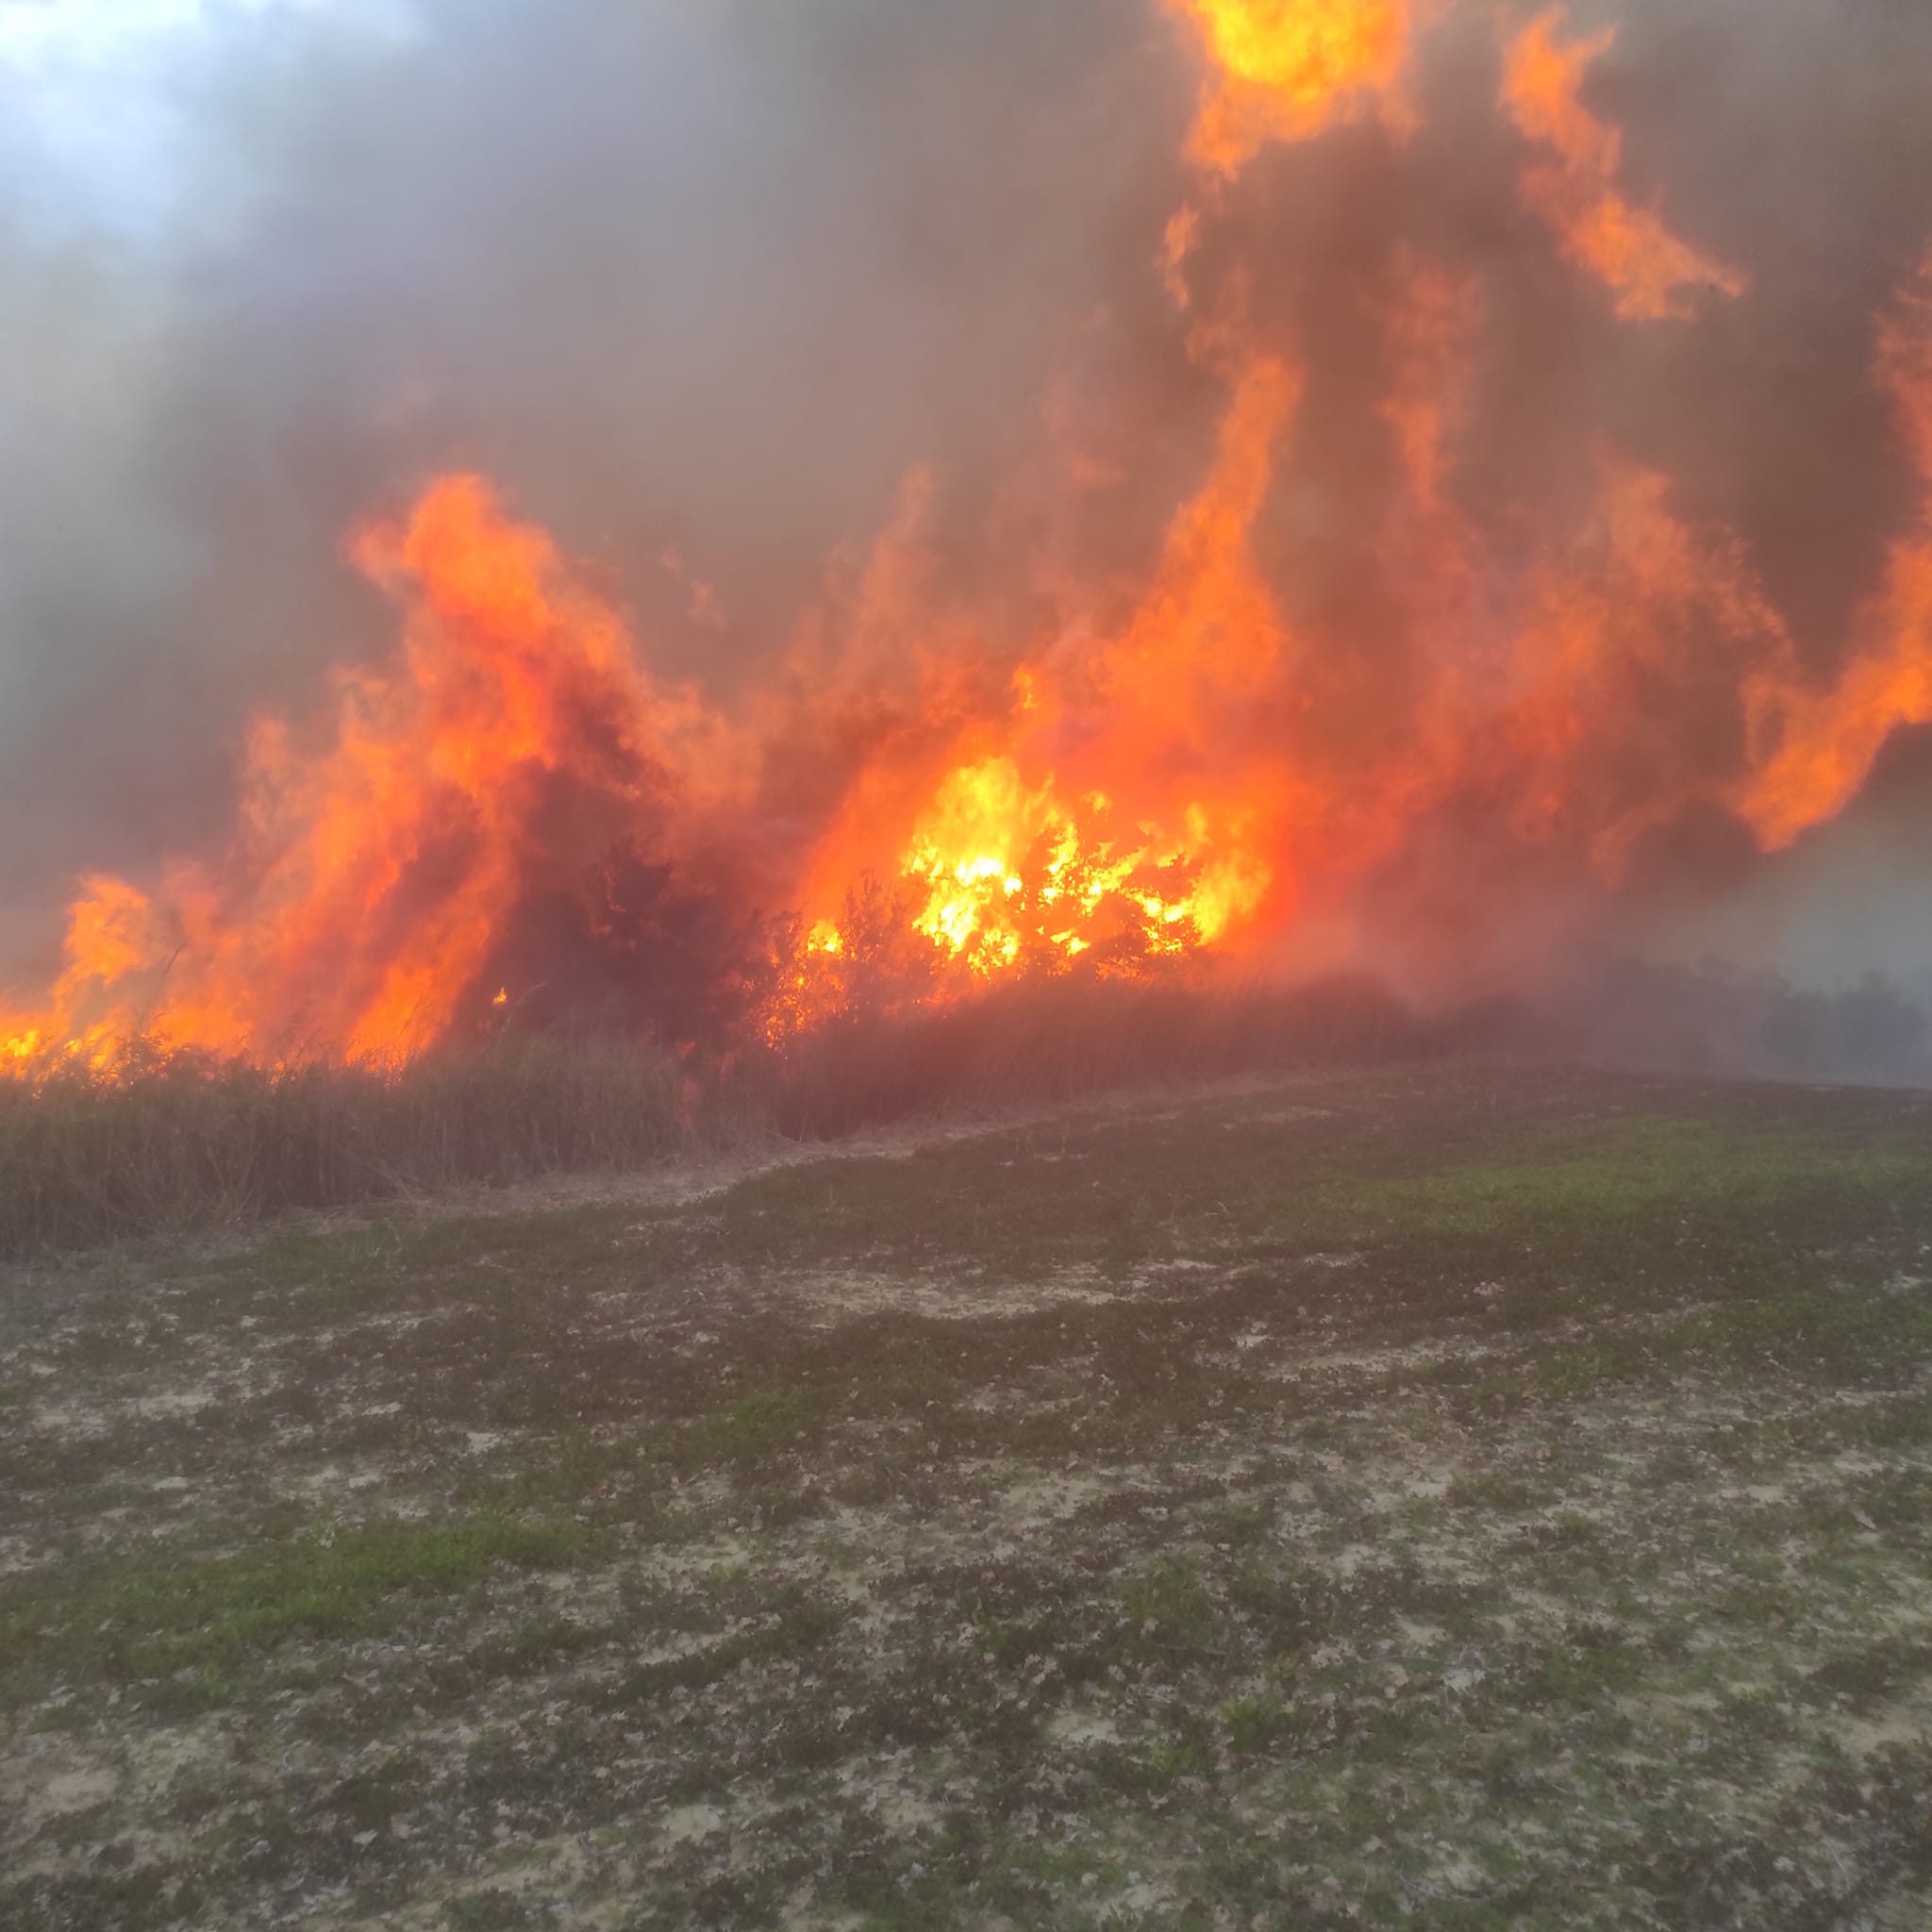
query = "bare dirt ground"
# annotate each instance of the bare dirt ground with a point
(1450, 1498)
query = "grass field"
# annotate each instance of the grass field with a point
(1454, 1498)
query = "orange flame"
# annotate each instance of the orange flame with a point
(1100, 813)
(374, 874)
(1651, 274)
(1827, 741)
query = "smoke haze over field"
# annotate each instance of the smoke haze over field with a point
(711, 278)
(1453, 517)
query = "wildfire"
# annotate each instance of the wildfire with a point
(1017, 874)
(1160, 763)
(379, 857)
(1818, 744)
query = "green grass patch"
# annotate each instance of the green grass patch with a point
(143, 1619)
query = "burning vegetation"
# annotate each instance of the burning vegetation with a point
(1368, 695)
(1236, 583)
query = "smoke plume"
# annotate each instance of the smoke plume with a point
(705, 513)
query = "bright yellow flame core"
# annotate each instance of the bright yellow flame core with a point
(1287, 69)
(1302, 49)
(1012, 868)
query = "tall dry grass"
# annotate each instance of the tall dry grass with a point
(158, 1144)
(1062, 1038)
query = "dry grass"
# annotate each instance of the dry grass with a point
(1063, 1038)
(160, 1145)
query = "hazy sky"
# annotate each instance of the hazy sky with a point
(85, 90)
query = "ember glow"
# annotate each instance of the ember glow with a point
(1337, 688)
